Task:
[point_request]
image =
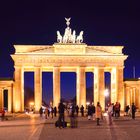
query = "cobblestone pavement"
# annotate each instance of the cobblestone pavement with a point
(35, 128)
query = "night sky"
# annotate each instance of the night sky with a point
(103, 23)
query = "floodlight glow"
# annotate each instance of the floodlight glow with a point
(106, 92)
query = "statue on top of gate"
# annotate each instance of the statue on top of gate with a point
(69, 36)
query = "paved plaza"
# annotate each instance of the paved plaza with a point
(32, 127)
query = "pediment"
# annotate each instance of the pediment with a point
(43, 51)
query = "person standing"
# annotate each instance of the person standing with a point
(55, 111)
(41, 111)
(73, 117)
(133, 110)
(126, 110)
(98, 113)
(110, 111)
(89, 113)
(77, 110)
(93, 111)
(117, 108)
(2, 114)
(82, 111)
(61, 118)
(46, 113)
(52, 111)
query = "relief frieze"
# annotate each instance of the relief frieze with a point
(68, 60)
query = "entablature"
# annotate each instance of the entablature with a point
(41, 60)
(68, 49)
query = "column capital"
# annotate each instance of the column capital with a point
(56, 67)
(117, 67)
(38, 67)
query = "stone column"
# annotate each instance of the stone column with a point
(131, 96)
(18, 95)
(81, 87)
(120, 87)
(137, 97)
(117, 88)
(134, 95)
(127, 96)
(113, 85)
(10, 99)
(1, 99)
(56, 86)
(99, 86)
(96, 81)
(38, 88)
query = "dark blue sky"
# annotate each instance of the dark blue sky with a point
(103, 22)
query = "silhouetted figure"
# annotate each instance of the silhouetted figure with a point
(113, 110)
(51, 111)
(48, 111)
(126, 110)
(133, 110)
(77, 110)
(61, 118)
(82, 111)
(2, 114)
(117, 109)
(93, 111)
(73, 117)
(89, 113)
(55, 111)
(41, 111)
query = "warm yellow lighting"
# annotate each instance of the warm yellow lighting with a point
(31, 103)
(87, 103)
(106, 92)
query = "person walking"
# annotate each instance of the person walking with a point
(98, 113)
(133, 110)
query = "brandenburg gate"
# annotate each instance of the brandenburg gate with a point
(69, 54)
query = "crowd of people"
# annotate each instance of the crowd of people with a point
(92, 113)
(49, 112)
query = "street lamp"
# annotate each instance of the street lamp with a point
(31, 103)
(87, 103)
(106, 92)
